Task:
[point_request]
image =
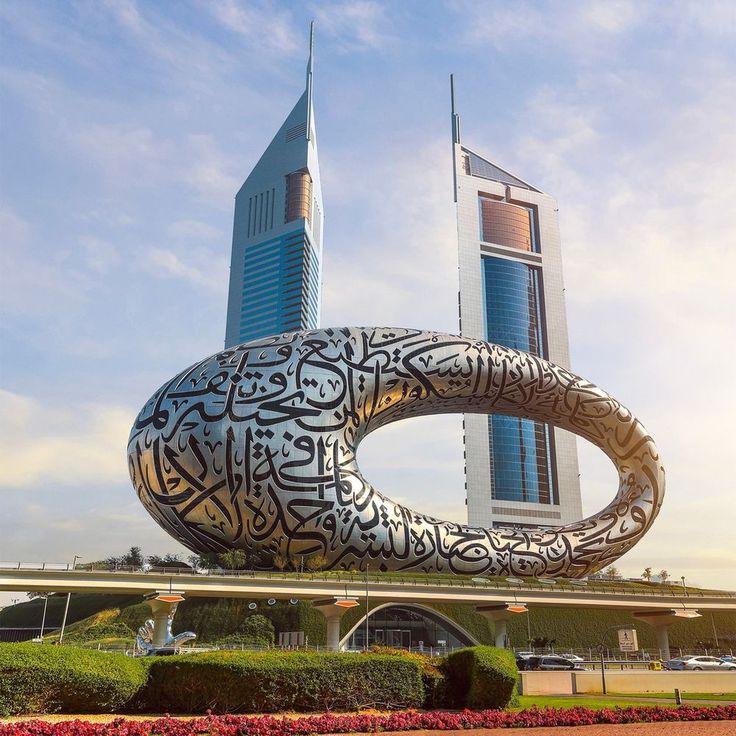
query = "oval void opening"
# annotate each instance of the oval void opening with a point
(419, 463)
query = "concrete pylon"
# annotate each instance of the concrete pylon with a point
(499, 615)
(661, 621)
(333, 609)
(163, 607)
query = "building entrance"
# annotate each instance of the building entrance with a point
(409, 627)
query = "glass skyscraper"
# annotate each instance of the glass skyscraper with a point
(276, 262)
(518, 472)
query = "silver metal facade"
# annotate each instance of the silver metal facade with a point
(255, 448)
(490, 500)
(276, 261)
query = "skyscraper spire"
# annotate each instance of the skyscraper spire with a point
(455, 116)
(276, 260)
(310, 74)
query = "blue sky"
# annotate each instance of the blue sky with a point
(127, 128)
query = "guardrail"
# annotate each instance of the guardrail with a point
(660, 591)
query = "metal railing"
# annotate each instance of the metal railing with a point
(655, 590)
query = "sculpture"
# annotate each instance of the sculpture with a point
(255, 446)
(144, 638)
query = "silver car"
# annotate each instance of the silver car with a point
(694, 662)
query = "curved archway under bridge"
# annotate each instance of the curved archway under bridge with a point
(657, 606)
(407, 626)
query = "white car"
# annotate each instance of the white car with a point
(572, 657)
(692, 662)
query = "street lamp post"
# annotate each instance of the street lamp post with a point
(601, 650)
(43, 618)
(366, 606)
(68, 598)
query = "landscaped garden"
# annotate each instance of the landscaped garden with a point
(471, 688)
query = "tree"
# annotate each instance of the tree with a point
(647, 574)
(202, 562)
(612, 572)
(258, 630)
(233, 559)
(280, 562)
(316, 563)
(663, 575)
(132, 558)
(168, 560)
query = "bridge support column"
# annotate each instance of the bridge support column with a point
(163, 607)
(661, 621)
(333, 609)
(499, 615)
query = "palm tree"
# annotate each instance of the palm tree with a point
(663, 575)
(647, 574)
(233, 559)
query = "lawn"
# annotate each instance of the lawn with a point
(580, 701)
(725, 697)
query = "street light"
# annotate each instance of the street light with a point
(367, 626)
(43, 618)
(601, 649)
(68, 598)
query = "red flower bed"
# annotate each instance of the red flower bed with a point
(402, 721)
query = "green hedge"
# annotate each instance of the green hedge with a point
(481, 677)
(38, 678)
(255, 682)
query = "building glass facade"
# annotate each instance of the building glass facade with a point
(280, 287)
(520, 452)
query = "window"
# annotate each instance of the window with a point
(510, 225)
(298, 196)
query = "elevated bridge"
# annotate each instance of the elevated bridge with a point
(334, 593)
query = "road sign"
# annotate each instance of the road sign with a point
(627, 641)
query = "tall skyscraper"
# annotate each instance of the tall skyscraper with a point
(518, 472)
(276, 262)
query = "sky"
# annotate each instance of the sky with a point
(127, 128)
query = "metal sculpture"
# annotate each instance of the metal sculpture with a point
(255, 448)
(144, 640)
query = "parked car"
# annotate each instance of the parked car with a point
(572, 657)
(729, 664)
(728, 658)
(524, 654)
(693, 662)
(552, 663)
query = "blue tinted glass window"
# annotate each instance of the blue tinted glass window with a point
(521, 463)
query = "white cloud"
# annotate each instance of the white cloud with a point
(578, 26)
(266, 26)
(203, 268)
(99, 255)
(61, 445)
(354, 24)
(194, 229)
(30, 283)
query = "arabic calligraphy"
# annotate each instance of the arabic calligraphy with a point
(255, 448)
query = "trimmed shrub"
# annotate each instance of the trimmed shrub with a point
(481, 677)
(433, 677)
(268, 682)
(257, 628)
(37, 678)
